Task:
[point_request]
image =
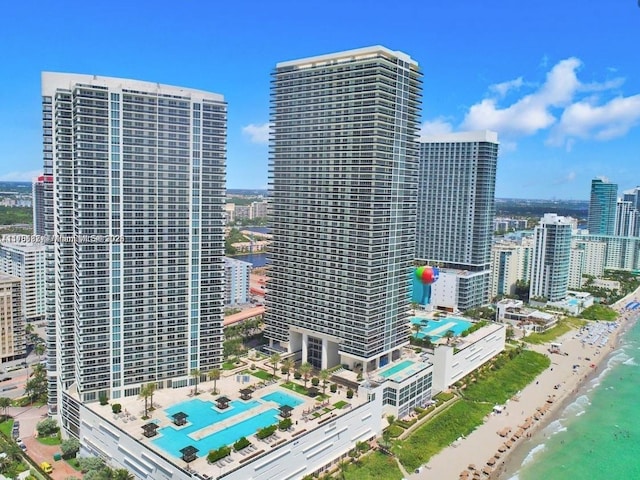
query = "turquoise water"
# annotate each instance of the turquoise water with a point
(396, 368)
(598, 435)
(202, 414)
(436, 328)
(174, 440)
(282, 398)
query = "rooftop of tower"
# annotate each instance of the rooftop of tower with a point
(347, 55)
(475, 136)
(52, 81)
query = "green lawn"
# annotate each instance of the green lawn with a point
(599, 312)
(295, 387)
(261, 374)
(376, 466)
(74, 463)
(6, 426)
(563, 326)
(340, 404)
(49, 440)
(465, 415)
(444, 396)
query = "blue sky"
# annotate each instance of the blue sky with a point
(558, 80)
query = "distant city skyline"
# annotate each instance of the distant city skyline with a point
(565, 102)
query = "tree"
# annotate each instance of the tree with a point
(122, 474)
(91, 463)
(305, 370)
(29, 329)
(324, 376)
(5, 403)
(274, 359)
(391, 419)
(287, 366)
(426, 341)
(510, 334)
(416, 328)
(70, 447)
(214, 374)
(449, 335)
(39, 349)
(145, 393)
(47, 427)
(195, 373)
(152, 387)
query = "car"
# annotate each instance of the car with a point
(46, 467)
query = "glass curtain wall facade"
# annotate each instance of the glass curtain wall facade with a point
(456, 206)
(602, 207)
(138, 245)
(343, 180)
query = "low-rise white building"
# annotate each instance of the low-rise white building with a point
(27, 262)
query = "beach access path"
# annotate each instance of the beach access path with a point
(484, 442)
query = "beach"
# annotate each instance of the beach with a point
(580, 358)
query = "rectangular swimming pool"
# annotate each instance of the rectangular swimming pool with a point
(396, 368)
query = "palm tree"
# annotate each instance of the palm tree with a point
(286, 366)
(449, 335)
(145, 392)
(416, 328)
(5, 403)
(151, 388)
(39, 349)
(121, 474)
(324, 376)
(195, 373)
(274, 359)
(305, 371)
(214, 374)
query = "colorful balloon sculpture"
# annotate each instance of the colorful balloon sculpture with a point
(427, 275)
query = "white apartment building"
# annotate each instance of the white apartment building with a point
(551, 258)
(621, 253)
(27, 262)
(137, 269)
(236, 288)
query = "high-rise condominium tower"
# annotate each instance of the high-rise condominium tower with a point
(343, 195)
(456, 206)
(42, 188)
(602, 207)
(551, 258)
(139, 188)
(628, 214)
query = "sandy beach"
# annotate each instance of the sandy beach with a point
(550, 392)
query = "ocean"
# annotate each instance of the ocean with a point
(597, 436)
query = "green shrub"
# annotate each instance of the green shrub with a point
(315, 381)
(116, 408)
(47, 427)
(349, 393)
(297, 375)
(333, 388)
(266, 432)
(215, 455)
(285, 424)
(241, 443)
(104, 399)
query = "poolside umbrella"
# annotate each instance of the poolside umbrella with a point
(189, 453)
(179, 418)
(285, 411)
(149, 430)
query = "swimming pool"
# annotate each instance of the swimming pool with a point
(282, 398)
(396, 368)
(173, 440)
(436, 328)
(202, 414)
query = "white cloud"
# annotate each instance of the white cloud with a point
(531, 113)
(503, 88)
(585, 120)
(569, 177)
(26, 176)
(257, 133)
(436, 126)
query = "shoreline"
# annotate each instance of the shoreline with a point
(562, 382)
(513, 462)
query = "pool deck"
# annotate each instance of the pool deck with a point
(130, 419)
